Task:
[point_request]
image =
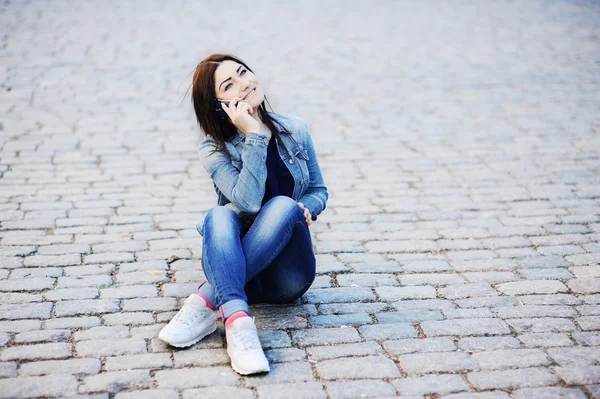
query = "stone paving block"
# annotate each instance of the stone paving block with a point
(531, 287)
(486, 302)
(84, 281)
(340, 320)
(388, 331)
(466, 291)
(149, 304)
(42, 336)
(584, 259)
(102, 332)
(71, 293)
(481, 313)
(111, 347)
(547, 274)
(488, 343)
(490, 277)
(366, 280)
(39, 351)
(556, 299)
(221, 391)
(426, 266)
(541, 340)
(428, 304)
(589, 323)
(86, 307)
(549, 393)
(325, 336)
(128, 319)
(511, 379)
(57, 385)
(342, 294)
(359, 389)
(144, 361)
(25, 311)
(465, 327)
(431, 384)
(543, 262)
(398, 293)
(430, 279)
(541, 325)
(108, 257)
(408, 316)
(69, 366)
(293, 372)
(575, 356)
(405, 346)
(149, 394)
(357, 368)
(584, 285)
(129, 291)
(201, 358)
(33, 272)
(501, 359)
(52, 260)
(343, 350)
(421, 363)
(27, 284)
(64, 249)
(279, 339)
(478, 395)
(72, 322)
(89, 270)
(529, 311)
(116, 380)
(481, 265)
(284, 355)
(300, 390)
(577, 375)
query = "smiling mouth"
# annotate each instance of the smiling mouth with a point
(251, 93)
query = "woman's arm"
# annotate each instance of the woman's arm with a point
(245, 188)
(316, 195)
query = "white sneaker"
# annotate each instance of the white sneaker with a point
(244, 349)
(193, 322)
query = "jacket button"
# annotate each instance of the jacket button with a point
(291, 161)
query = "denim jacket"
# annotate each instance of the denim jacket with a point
(239, 178)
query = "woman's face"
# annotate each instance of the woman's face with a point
(234, 80)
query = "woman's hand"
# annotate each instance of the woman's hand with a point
(239, 115)
(307, 215)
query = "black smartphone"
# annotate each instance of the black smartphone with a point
(219, 109)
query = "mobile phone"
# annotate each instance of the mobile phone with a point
(222, 114)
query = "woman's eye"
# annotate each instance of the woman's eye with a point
(243, 72)
(226, 87)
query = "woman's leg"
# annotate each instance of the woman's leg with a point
(291, 273)
(275, 255)
(223, 261)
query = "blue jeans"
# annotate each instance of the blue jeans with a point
(272, 262)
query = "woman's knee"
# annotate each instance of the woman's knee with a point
(282, 205)
(221, 217)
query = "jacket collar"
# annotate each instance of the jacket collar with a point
(239, 136)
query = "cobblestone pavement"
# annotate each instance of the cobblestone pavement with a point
(459, 253)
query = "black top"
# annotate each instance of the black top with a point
(279, 178)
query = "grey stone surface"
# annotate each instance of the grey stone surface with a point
(458, 255)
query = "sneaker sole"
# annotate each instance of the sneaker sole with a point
(242, 371)
(211, 330)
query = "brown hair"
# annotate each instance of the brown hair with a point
(203, 100)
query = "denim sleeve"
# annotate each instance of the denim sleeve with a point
(316, 195)
(245, 188)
